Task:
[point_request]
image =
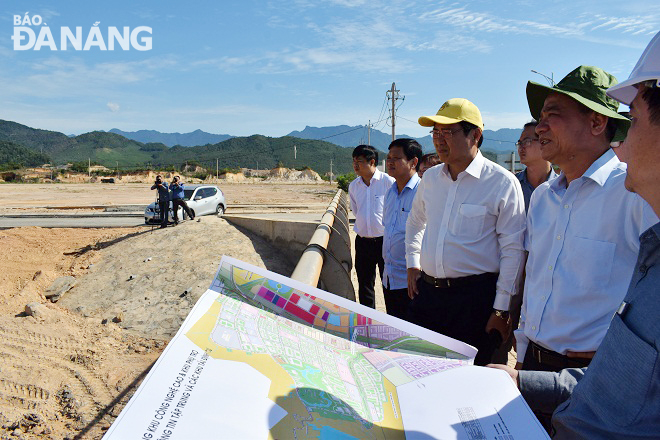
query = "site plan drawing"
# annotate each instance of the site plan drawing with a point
(263, 356)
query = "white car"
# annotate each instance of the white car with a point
(201, 199)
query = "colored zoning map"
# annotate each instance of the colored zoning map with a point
(332, 370)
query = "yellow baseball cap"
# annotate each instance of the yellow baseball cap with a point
(453, 111)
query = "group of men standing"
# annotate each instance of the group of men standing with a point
(172, 193)
(458, 243)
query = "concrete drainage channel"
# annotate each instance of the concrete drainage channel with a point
(322, 249)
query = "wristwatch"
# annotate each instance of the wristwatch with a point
(502, 314)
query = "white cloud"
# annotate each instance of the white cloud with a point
(462, 17)
(113, 106)
(627, 25)
(58, 77)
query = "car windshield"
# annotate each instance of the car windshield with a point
(187, 194)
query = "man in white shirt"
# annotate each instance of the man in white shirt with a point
(536, 172)
(464, 236)
(583, 228)
(367, 194)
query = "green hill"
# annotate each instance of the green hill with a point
(15, 156)
(110, 150)
(262, 152)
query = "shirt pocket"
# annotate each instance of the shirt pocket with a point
(593, 258)
(470, 220)
(618, 382)
(402, 218)
(378, 204)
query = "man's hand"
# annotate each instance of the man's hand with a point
(497, 323)
(414, 274)
(512, 372)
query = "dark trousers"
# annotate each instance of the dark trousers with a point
(368, 255)
(553, 362)
(175, 207)
(164, 206)
(460, 312)
(396, 302)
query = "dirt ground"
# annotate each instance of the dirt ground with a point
(19, 197)
(68, 372)
(68, 369)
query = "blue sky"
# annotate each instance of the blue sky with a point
(271, 67)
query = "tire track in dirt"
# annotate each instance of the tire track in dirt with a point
(69, 362)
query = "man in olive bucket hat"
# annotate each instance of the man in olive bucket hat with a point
(618, 396)
(583, 227)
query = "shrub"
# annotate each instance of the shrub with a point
(344, 180)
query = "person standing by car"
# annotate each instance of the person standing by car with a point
(177, 200)
(163, 199)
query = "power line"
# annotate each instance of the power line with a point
(485, 138)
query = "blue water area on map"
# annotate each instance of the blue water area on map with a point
(277, 287)
(334, 320)
(309, 371)
(330, 433)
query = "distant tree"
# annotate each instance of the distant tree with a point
(344, 180)
(82, 166)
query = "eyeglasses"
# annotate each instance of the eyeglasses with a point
(526, 142)
(445, 132)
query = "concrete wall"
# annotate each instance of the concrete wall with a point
(290, 236)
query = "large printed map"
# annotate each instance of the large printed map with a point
(332, 370)
(262, 356)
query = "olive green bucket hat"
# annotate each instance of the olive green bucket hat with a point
(588, 86)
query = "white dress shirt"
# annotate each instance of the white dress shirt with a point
(583, 243)
(470, 226)
(367, 204)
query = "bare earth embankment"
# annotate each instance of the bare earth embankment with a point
(67, 372)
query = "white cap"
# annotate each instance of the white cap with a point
(647, 69)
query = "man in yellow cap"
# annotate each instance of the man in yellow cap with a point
(464, 236)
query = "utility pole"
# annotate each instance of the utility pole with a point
(330, 171)
(117, 169)
(89, 167)
(295, 153)
(393, 95)
(369, 133)
(216, 169)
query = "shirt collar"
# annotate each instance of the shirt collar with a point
(377, 176)
(600, 170)
(474, 169)
(522, 176)
(412, 183)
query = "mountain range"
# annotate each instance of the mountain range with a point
(499, 141)
(115, 151)
(197, 137)
(315, 147)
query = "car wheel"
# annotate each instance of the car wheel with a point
(219, 210)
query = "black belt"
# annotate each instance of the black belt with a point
(444, 283)
(555, 360)
(370, 238)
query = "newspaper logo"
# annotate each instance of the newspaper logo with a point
(31, 33)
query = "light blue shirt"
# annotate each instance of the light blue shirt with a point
(395, 214)
(618, 396)
(583, 242)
